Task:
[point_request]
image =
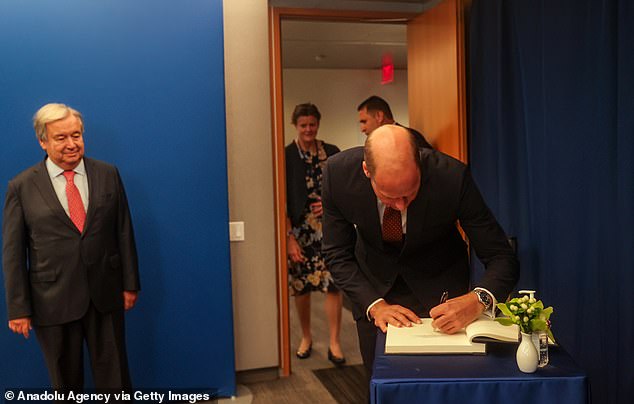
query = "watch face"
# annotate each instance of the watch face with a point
(484, 298)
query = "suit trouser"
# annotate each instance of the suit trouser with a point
(63, 348)
(399, 294)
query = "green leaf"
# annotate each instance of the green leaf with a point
(504, 309)
(504, 321)
(545, 314)
(538, 325)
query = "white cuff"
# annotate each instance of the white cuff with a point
(367, 312)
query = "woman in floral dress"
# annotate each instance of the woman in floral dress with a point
(305, 160)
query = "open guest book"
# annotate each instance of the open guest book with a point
(423, 339)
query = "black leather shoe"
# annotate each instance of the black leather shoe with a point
(306, 353)
(335, 359)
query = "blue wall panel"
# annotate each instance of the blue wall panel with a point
(148, 77)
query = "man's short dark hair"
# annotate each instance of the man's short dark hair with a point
(376, 103)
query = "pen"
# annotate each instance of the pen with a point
(444, 297)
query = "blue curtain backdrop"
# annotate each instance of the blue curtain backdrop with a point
(552, 147)
(148, 77)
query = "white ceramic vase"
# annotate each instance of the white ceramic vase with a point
(527, 357)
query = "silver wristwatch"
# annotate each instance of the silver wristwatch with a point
(484, 298)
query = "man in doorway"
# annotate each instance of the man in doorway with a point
(375, 112)
(391, 241)
(69, 256)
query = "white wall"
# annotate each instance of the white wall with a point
(250, 174)
(337, 93)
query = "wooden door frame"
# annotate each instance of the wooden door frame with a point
(438, 107)
(276, 15)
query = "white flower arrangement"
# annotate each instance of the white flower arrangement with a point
(528, 313)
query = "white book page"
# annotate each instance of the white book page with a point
(423, 338)
(487, 327)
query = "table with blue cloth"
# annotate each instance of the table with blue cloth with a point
(473, 379)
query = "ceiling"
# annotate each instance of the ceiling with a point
(347, 45)
(404, 6)
(342, 45)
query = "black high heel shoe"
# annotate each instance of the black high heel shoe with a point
(336, 359)
(305, 354)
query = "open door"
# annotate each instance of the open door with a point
(436, 76)
(437, 103)
(275, 17)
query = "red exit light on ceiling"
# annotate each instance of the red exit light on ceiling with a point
(387, 69)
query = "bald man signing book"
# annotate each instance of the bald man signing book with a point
(391, 241)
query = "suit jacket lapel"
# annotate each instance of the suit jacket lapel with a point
(44, 185)
(416, 211)
(92, 175)
(370, 205)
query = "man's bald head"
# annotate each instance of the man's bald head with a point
(390, 147)
(391, 163)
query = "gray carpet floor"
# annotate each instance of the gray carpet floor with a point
(346, 384)
(316, 379)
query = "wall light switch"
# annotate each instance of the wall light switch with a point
(236, 231)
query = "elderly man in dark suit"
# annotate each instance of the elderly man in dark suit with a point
(69, 257)
(391, 241)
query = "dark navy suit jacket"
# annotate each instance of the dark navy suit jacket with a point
(434, 256)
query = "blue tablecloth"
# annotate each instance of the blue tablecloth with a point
(473, 379)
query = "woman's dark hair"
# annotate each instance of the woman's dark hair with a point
(306, 109)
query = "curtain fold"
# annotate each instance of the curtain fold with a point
(552, 149)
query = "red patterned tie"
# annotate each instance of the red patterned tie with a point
(392, 226)
(75, 205)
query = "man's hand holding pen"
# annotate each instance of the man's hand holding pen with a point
(454, 314)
